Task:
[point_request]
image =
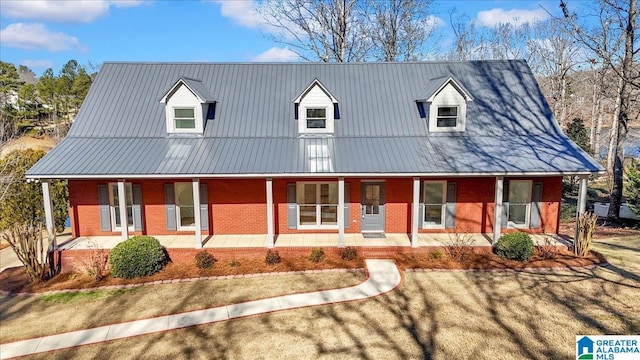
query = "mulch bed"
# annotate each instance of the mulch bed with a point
(603, 229)
(15, 279)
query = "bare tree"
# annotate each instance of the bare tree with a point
(398, 29)
(557, 56)
(324, 30)
(470, 42)
(613, 43)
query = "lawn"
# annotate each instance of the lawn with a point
(439, 315)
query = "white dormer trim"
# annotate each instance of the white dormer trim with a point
(315, 99)
(451, 81)
(182, 96)
(447, 106)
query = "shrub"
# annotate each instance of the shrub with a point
(349, 253)
(204, 260)
(586, 224)
(459, 246)
(96, 266)
(435, 255)
(272, 257)
(515, 246)
(317, 254)
(137, 256)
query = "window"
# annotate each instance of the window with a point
(519, 203)
(434, 204)
(114, 204)
(447, 117)
(316, 118)
(184, 118)
(317, 205)
(184, 205)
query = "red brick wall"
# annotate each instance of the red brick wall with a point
(238, 206)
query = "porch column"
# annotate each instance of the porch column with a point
(582, 200)
(270, 234)
(196, 212)
(497, 216)
(48, 215)
(415, 211)
(122, 207)
(341, 212)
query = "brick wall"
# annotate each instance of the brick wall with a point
(238, 206)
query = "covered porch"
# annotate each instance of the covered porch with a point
(303, 241)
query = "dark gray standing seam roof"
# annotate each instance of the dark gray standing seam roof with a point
(120, 129)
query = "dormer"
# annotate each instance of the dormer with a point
(446, 99)
(188, 105)
(316, 110)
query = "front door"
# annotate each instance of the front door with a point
(372, 204)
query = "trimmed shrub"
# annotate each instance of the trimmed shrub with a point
(435, 255)
(349, 253)
(317, 254)
(204, 260)
(273, 257)
(137, 256)
(515, 246)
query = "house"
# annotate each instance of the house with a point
(226, 148)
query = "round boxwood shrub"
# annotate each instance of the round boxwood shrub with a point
(137, 256)
(515, 246)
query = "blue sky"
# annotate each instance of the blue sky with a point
(42, 34)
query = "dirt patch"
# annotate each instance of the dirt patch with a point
(603, 230)
(27, 142)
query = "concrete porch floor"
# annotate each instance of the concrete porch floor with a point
(298, 240)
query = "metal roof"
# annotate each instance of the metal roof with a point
(120, 129)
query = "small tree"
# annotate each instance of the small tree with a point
(633, 188)
(22, 212)
(577, 132)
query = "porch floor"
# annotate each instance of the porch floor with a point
(297, 240)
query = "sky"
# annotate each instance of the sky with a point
(42, 34)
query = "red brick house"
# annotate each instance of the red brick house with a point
(206, 149)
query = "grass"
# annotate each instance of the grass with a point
(436, 315)
(31, 316)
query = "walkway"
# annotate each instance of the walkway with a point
(383, 277)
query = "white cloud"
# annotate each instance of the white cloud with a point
(34, 36)
(276, 54)
(497, 16)
(36, 64)
(242, 12)
(62, 10)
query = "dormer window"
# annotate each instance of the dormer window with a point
(184, 118)
(316, 118)
(316, 110)
(446, 100)
(188, 105)
(447, 117)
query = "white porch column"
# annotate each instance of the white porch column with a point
(270, 234)
(48, 214)
(196, 212)
(122, 207)
(582, 200)
(497, 216)
(341, 212)
(415, 212)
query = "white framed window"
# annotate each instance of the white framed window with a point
(317, 205)
(316, 118)
(434, 197)
(447, 117)
(184, 118)
(519, 203)
(184, 206)
(114, 206)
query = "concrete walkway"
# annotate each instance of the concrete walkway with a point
(383, 277)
